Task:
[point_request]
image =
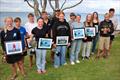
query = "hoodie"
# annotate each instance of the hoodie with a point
(61, 29)
(105, 25)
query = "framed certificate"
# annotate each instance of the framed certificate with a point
(90, 31)
(44, 43)
(29, 45)
(62, 40)
(78, 33)
(96, 28)
(13, 47)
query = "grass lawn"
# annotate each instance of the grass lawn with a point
(93, 69)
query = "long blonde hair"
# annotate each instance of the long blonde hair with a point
(5, 27)
(86, 21)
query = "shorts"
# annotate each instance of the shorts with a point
(104, 42)
(31, 51)
(112, 37)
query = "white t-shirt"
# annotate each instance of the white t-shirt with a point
(29, 26)
(115, 23)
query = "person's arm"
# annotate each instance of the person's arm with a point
(54, 33)
(111, 28)
(69, 33)
(2, 41)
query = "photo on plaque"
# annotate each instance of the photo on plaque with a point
(13, 47)
(29, 45)
(62, 40)
(44, 43)
(78, 33)
(90, 31)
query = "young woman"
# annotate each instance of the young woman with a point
(40, 32)
(95, 24)
(11, 34)
(60, 28)
(87, 41)
(23, 33)
(76, 44)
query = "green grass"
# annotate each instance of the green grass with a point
(102, 69)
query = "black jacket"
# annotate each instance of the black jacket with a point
(105, 25)
(61, 29)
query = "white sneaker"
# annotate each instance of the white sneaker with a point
(92, 53)
(83, 58)
(77, 61)
(65, 63)
(72, 63)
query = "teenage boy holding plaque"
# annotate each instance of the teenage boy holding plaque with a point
(106, 29)
(76, 43)
(11, 34)
(60, 28)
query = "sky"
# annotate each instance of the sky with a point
(86, 6)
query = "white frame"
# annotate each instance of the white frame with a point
(28, 44)
(92, 28)
(62, 37)
(96, 28)
(79, 30)
(39, 46)
(13, 42)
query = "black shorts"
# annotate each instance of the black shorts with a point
(24, 53)
(112, 37)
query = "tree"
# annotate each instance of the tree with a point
(43, 4)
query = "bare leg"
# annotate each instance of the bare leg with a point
(14, 71)
(31, 61)
(21, 66)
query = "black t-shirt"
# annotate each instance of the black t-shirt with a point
(39, 33)
(10, 35)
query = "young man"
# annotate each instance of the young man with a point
(29, 26)
(106, 29)
(72, 18)
(115, 23)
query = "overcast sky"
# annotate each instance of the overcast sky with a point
(87, 6)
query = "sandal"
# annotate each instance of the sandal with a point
(13, 77)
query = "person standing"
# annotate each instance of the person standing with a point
(106, 29)
(95, 24)
(23, 33)
(60, 28)
(12, 34)
(29, 26)
(53, 21)
(72, 18)
(40, 32)
(47, 22)
(87, 41)
(115, 23)
(76, 44)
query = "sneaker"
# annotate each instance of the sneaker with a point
(72, 63)
(88, 58)
(65, 63)
(92, 53)
(77, 61)
(55, 66)
(83, 58)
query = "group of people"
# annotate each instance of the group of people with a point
(51, 28)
